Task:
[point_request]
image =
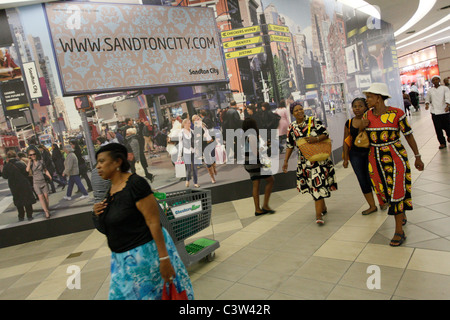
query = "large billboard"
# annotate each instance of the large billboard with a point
(113, 47)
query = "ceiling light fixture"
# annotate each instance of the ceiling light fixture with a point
(421, 39)
(434, 25)
(424, 7)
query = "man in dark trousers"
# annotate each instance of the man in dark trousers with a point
(439, 98)
(232, 120)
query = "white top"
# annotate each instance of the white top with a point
(439, 98)
(184, 143)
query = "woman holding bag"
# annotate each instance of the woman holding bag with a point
(143, 255)
(358, 156)
(388, 161)
(186, 152)
(314, 177)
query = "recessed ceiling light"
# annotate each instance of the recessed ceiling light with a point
(426, 37)
(434, 25)
(424, 7)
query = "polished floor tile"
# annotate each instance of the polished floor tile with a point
(283, 256)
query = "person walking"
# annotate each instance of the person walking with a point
(231, 121)
(204, 146)
(71, 170)
(82, 165)
(388, 160)
(359, 157)
(38, 170)
(439, 98)
(58, 161)
(143, 255)
(186, 152)
(283, 125)
(253, 166)
(317, 178)
(15, 171)
(414, 95)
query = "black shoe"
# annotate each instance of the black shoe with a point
(261, 213)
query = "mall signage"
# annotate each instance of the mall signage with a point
(104, 47)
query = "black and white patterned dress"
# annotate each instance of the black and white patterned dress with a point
(317, 178)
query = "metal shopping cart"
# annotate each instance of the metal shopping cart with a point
(183, 214)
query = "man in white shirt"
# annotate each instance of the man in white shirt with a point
(439, 98)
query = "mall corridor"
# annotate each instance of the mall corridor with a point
(283, 256)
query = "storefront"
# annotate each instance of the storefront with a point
(418, 68)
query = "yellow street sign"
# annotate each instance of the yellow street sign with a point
(279, 38)
(274, 27)
(242, 42)
(243, 53)
(240, 32)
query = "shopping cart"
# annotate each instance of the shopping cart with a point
(183, 214)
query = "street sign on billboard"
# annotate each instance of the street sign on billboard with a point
(243, 53)
(276, 38)
(105, 47)
(242, 42)
(240, 31)
(274, 27)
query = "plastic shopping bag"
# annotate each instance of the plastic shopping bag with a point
(221, 154)
(180, 170)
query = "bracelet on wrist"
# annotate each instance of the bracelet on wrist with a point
(418, 155)
(163, 258)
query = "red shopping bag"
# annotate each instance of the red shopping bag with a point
(171, 293)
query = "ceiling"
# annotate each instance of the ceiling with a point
(398, 12)
(395, 12)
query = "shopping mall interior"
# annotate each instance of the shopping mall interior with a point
(286, 255)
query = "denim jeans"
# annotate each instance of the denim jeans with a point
(360, 164)
(75, 180)
(189, 162)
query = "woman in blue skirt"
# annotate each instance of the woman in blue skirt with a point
(144, 256)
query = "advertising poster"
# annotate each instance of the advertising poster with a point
(152, 66)
(113, 47)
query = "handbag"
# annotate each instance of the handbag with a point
(362, 139)
(349, 140)
(180, 170)
(319, 151)
(171, 293)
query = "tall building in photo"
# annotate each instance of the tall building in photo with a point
(319, 20)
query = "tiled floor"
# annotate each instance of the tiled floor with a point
(280, 256)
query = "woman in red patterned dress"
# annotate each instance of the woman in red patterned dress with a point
(388, 161)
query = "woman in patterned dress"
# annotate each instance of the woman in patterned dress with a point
(316, 178)
(388, 161)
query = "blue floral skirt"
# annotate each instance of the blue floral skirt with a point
(135, 273)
